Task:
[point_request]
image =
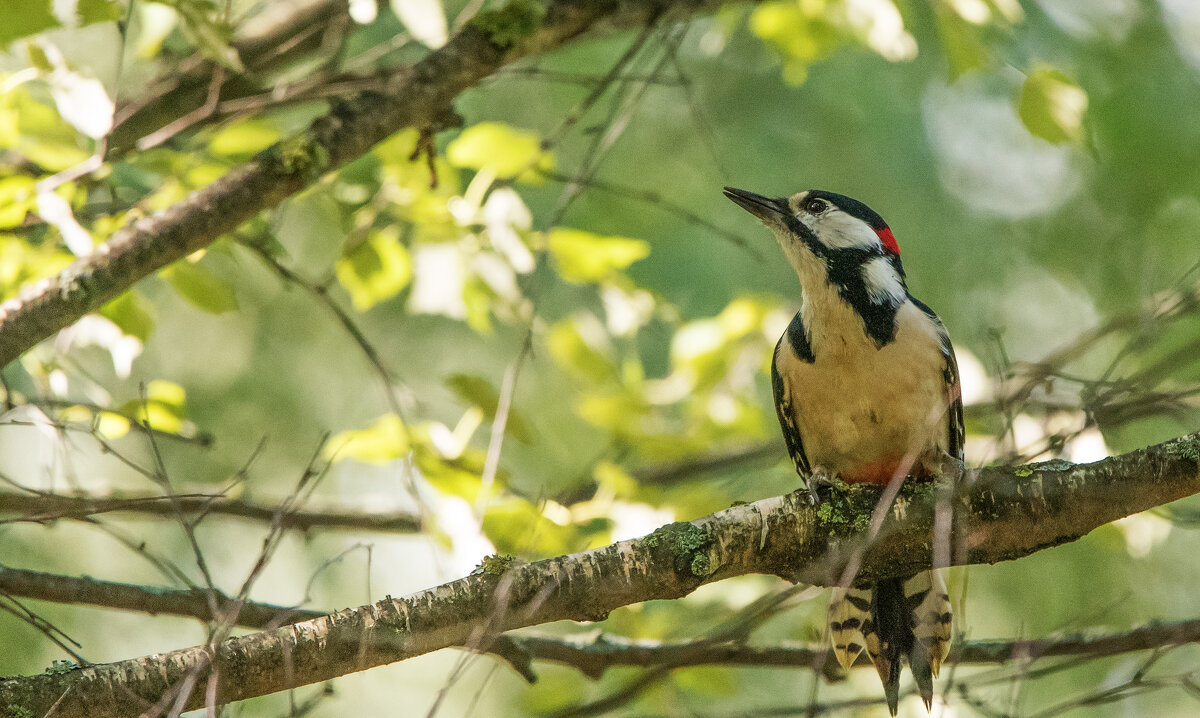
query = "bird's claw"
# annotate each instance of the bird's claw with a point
(818, 483)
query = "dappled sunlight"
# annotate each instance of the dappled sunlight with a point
(331, 302)
(988, 159)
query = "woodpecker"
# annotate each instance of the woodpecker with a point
(866, 390)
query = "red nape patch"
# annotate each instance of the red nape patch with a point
(889, 241)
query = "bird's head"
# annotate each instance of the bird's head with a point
(845, 238)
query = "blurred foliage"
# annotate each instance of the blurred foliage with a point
(564, 269)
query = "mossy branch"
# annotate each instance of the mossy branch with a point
(418, 96)
(998, 514)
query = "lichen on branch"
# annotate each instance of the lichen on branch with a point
(1001, 513)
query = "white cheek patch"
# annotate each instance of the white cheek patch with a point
(839, 230)
(882, 282)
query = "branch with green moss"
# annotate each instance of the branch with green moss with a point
(593, 653)
(995, 514)
(419, 96)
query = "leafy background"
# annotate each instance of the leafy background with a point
(1039, 163)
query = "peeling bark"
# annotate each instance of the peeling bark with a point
(1001, 513)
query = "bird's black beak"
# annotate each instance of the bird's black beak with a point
(765, 208)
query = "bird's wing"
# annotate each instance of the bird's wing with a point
(955, 431)
(786, 414)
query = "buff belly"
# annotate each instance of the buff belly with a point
(868, 413)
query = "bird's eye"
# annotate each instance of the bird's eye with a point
(815, 206)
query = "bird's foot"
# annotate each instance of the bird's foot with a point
(819, 483)
(951, 466)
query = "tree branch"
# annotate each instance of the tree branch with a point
(593, 654)
(1001, 513)
(41, 507)
(418, 96)
(193, 603)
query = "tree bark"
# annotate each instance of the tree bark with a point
(995, 514)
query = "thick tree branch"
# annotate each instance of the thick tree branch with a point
(41, 507)
(1000, 513)
(593, 653)
(418, 96)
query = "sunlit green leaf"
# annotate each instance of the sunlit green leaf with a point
(18, 196)
(131, 313)
(460, 477)
(37, 132)
(111, 426)
(962, 42)
(384, 441)
(516, 526)
(20, 263)
(800, 32)
(26, 17)
(584, 257)
(499, 148)
(1052, 106)
(479, 392)
(90, 11)
(571, 349)
(243, 138)
(376, 270)
(201, 287)
(163, 408)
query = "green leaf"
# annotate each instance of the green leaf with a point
(517, 526)
(20, 263)
(131, 314)
(1052, 106)
(571, 349)
(38, 133)
(479, 392)
(211, 37)
(376, 270)
(25, 17)
(90, 11)
(498, 148)
(583, 257)
(18, 195)
(201, 288)
(164, 407)
(242, 139)
(384, 441)
(800, 32)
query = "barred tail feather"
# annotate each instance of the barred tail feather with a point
(932, 616)
(849, 613)
(909, 622)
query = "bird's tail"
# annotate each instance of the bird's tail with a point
(897, 620)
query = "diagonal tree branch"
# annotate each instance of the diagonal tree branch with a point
(1001, 513)
(419, 96)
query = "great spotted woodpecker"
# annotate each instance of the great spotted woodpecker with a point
(866, 390)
